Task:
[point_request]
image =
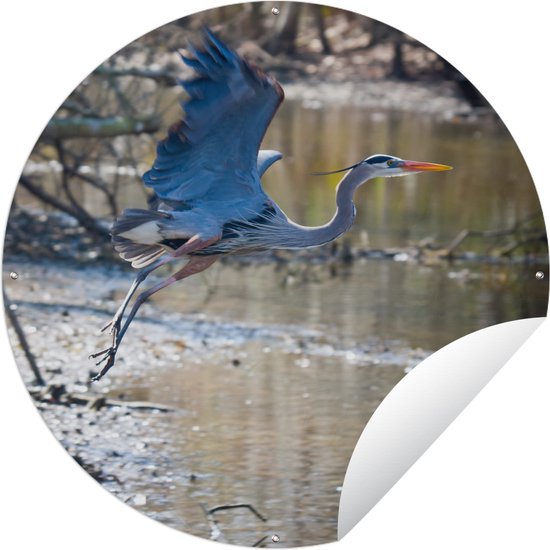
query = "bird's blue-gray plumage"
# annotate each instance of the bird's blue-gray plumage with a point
(206, 174)
(213, 151)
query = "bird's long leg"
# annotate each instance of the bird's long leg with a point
(114, 323)
(195, 243)
(195, 265)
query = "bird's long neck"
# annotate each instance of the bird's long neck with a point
(343, 217)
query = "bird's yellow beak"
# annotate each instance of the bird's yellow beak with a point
(414, 166)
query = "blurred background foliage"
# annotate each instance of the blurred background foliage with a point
(87, 164)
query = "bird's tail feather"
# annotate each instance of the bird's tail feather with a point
(131, 218)
(140, 255)
(135, 236)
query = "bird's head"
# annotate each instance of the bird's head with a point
(387, 166)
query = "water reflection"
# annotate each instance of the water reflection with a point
(489, 188)
(271, 433)
(424, 306)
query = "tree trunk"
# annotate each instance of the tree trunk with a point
(321, 30)
(468, 90)
(398, 67)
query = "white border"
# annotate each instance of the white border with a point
(47, 49)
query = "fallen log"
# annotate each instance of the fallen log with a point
(57, 394)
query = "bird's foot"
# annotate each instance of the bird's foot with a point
(108, 357)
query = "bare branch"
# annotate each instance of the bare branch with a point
(88, 127)
(76, 107)
(520, 230)
(98, 184)
(10, 313)
(58, 394)
(233, 506)
(215, 531)
(89, 223)
(162, 76)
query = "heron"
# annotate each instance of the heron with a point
(207, 199)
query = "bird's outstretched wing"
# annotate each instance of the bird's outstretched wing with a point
(213, 152)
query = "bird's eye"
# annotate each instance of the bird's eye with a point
(390, 162)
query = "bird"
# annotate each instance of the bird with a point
(207, 198)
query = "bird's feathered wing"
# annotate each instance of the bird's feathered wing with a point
(213, 151)
(266, 158)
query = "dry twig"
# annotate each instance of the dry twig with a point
(10, 313)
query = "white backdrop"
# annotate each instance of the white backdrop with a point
(484, 484)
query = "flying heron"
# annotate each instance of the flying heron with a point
(208, 200)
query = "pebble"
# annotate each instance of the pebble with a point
(139, 500)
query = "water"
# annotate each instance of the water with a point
(271, 419)
(489, 188)
(274, 426)
(424, 306)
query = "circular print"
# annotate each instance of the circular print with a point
(256, 204)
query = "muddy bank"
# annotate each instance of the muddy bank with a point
(235, 393)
